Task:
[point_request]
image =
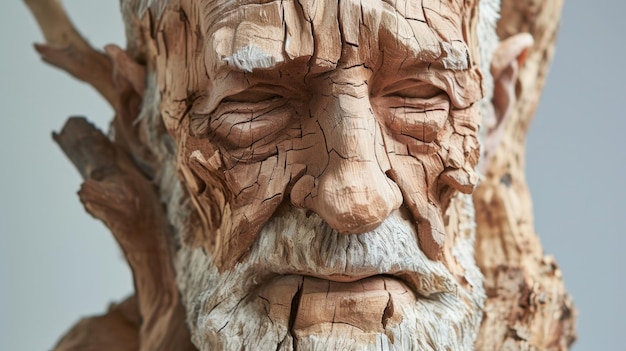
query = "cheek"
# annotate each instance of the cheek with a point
(429, 176)
(245, 181)
(460, 151)
(200, 169)
(465, 123)
(232, 199)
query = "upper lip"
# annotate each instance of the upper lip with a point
(315, 249)
(406, 278)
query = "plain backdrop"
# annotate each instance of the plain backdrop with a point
(57, 263)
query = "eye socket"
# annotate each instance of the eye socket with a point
(247, 124)
(239, 109)
(414, 111)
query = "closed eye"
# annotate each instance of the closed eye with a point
(411, 89)
(413, 110)
(247, 124)
(243, 106)
(256, 94)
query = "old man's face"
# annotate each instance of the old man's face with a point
(326, 148)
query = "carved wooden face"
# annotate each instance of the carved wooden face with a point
(324, 145)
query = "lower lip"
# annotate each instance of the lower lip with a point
(314, 304)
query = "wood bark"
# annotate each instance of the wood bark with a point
(527, 306)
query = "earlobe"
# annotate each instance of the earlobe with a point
(507, 60)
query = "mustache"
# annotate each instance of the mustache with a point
(295, 241)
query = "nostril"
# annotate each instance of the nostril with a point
(301, 191)
(391, 174)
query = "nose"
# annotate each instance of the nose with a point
(352, 194)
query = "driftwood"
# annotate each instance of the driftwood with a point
(527, 307)
(115, 192)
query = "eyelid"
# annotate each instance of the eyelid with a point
(416, 118)
(411, 89)
(256, 93)
(437, 101)
(241, 127)
(207, 104)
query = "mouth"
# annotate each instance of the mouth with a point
(312, 278)
(313, 305)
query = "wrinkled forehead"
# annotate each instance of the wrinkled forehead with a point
(411, 9)
(268, 32)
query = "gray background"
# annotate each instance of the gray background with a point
(56, 263)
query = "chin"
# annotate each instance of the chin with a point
(305, 286)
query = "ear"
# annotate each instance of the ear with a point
(507, 60)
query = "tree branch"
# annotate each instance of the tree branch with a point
(66, 49)
(118, 194)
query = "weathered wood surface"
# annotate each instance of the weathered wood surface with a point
(527, 307)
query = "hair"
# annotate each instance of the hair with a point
(488, 16)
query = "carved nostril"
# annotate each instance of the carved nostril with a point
(301, 191)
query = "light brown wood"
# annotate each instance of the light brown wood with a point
(528, 307)
(282, 106)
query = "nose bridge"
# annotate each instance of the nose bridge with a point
(353, 194)
(349, 125)
(345, 114)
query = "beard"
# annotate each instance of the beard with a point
(264, 301)
(292, 290)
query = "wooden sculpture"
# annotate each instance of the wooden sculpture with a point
(317, 175)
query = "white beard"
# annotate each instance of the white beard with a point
(225, 312)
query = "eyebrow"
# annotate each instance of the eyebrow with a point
(249, 57)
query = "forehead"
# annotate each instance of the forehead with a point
(260, 34)
(410, 9)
